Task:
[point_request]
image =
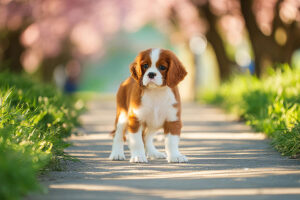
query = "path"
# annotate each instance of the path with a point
(227, 161)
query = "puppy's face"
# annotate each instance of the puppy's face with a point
(154, 68)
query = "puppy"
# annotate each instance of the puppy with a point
(147, 101)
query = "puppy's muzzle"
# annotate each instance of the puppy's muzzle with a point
(151, 75)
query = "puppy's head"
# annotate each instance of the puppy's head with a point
(156, 68)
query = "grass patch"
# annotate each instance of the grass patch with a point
(34, 120)
(270, 105)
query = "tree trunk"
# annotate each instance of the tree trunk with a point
(13, 51)
(49, 64)
(224, 64)
(47, 69)
(255, 35)
(214, 38)
(266, 46)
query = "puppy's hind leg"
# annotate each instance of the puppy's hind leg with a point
(117, 152)
(151, 151)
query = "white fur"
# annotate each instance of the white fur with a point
(136, 146)
(173, 154)
(157, 107)
(117, 152)
(151, 151)
(154, 112)
(155, 55)
(158, 79)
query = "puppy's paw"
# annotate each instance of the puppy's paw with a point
(138, 159)
(156, 155)
(177, 159)
(117, 155)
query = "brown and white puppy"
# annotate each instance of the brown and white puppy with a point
(147, 101)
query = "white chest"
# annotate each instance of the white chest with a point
(157, 107)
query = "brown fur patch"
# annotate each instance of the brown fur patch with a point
(136, 69)
(176, 71)
(133, 124)
(173, 127)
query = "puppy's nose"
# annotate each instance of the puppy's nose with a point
(151, 75)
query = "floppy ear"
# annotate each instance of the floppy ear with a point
(176, 72)
(135, 71)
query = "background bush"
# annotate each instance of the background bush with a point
(34, 120)
(270, 105)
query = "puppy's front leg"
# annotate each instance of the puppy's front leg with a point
(172, 143)
(135, 141)
(172, 131)
(136, 147)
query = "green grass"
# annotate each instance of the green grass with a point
(270, 105)
(34, 120)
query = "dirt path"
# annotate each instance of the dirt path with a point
(227, 161)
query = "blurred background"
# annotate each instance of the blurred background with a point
(87, 45)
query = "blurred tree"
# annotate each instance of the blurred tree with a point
(50, 63)
(14, 18)
(12, 50)
(213, 36)
(273, 28)
(59, 31)
(45, 33)
(213, 12)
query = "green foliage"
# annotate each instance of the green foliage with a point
(34, 120)
(270, 105)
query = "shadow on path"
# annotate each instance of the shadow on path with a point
(227, 161)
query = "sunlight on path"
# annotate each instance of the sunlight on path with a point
(227, 161)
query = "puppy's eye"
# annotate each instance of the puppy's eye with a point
(145, 66)
(161, 67)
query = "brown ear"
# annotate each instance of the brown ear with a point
(135, 71)
(176, 72)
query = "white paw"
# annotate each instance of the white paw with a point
(138, 159)
(117, 155)
(156, 154)
(177, 159)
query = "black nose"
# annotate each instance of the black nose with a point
(151, 75)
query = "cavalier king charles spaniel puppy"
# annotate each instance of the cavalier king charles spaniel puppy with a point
(147, 101)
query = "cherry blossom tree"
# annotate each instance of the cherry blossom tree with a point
(41, 34)
(272, 26)
(274, 30)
